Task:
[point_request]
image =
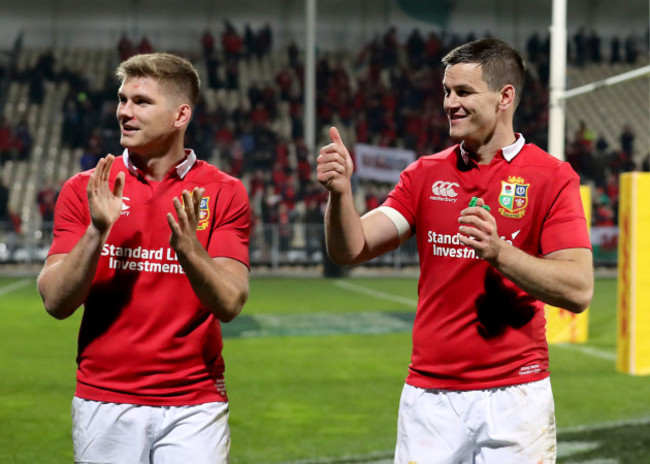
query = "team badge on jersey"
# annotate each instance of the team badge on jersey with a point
(513, 197)
(204, 214)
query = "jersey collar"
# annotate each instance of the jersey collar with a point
(508, 152)
(181, 169)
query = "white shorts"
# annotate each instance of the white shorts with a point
(514, 425)
(111, 433)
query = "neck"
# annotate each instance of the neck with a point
(156, 167)
(483, 151)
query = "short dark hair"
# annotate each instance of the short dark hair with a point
(501, 64)
(171, 70)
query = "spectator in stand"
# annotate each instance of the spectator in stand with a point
(212, 69)
(145, 45)
(91, 156)
(615, 50)
(231, 42)
(631, 50)
(285, 227)
(612, 188)
(293, 55)
(7, 141)
(5, 218)
(627, 140)
(125, 47)
(36, 87)
(284, 81)
(415, 47)
(23, 139)
(265, 40)
(73, 117)
(433, 49)
(207, 44)
(594, 48)
(232, 75)
(645, 164)
(534, 48)
(580, 47)
(250, 41)
(45, 65)
(46, 200)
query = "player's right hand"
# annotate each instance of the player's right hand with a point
(334, 164)
(105, 203)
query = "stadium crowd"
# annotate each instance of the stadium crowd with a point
(387, 93)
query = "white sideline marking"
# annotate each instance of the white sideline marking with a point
(376, 293)
(596, 353)
(15, 286)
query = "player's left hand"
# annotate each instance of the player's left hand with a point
(478, 230)
(183, 231)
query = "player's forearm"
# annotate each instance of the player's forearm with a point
(65, 283)
(565, 283)
(219, 287)
(343, 230)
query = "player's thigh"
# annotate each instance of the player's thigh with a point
(429, 431)
(198, 434)
(521, 428)
(109, 433)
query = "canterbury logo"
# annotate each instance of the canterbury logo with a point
(444, 189)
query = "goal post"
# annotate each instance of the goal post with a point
(563, 326)
(633, 337)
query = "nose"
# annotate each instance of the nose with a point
(450, 101)
(124, 110)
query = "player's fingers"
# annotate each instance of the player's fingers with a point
(197, 195)
(180, 210)
(188, 204)
(173, 225)
(335, 137)
(105, 171)
(332, 150)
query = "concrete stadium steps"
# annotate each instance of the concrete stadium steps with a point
(607, 110)
(48, 163)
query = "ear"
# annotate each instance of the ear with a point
(183, 115)
(507, 97)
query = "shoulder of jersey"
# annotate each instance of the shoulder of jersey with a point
(447, 153)
(207, 172)
(540, 158)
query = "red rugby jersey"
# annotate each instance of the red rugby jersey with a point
(145, 338)
(474, 328)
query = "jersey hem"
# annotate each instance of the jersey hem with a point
(438, 384)
(104, 396)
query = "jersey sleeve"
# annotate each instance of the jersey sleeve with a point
(401, 197)
(71, 216)
(231, 230)
(565, 225)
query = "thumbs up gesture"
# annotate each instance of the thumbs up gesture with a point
(334, 164)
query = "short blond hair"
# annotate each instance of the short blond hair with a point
(170, 70)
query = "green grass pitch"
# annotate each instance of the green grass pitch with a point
(314, 369)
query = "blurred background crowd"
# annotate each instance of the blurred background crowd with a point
(250, 120)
